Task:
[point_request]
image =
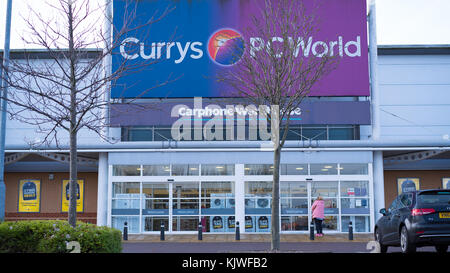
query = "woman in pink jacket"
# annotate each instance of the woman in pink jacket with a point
(318, 214)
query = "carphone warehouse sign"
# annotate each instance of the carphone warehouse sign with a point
(197, 39)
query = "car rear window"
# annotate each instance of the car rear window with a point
(434, 197)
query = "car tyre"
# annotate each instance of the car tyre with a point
(383, 248)
(441, 248)
(405, 243)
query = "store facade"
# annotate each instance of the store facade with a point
(146, 177)
(213, 183)
(217, 195)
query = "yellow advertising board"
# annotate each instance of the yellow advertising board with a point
(29, 195)
(407, 185)
(65, 195)
(446, 183)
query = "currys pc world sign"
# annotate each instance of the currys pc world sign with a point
(199, 38)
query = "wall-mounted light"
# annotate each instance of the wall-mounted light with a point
(51, 176)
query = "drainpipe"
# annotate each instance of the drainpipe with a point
(378, 176)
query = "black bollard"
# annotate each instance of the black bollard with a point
(162, 232)
(125, 231)
(350, 231)
(238, 233)
(200, 232)
(311, 231)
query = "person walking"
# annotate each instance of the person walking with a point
(317, 209)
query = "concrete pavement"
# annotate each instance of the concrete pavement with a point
(252, 243)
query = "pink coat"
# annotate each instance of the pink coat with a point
(318, 209)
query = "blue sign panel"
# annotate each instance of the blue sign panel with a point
(196, 40)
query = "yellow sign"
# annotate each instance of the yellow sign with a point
(65, 195)
(29, 195)
(407, 185)
(446, 183)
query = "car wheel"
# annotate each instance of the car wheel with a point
(406, 245)
(441, 248)
(383, 248)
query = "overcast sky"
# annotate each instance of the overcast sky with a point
(398, 21)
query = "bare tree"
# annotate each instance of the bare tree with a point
(276, 73)
(69, 89)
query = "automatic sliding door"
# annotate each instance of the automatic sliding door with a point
(294, 206)
(155, 206)
(328, 190)
(185, 206)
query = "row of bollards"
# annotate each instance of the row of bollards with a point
(162, 233)
(238, 233)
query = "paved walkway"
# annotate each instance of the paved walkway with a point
(251, 238)
(249, 247)
(252, 243)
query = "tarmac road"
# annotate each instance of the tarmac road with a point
(252, 247)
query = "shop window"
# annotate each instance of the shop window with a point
(293, 189)
(258, 169)
(348, 169)
(218, 223)
(294, 206)
(156, 198)
(126, 170)
(125, 205)
(218, 196)
(355, 206)
(217, 169)
(329, 192)
(118, 222)
(360, 223)
(185, 223)
(258, 203)
(123, 189)
(155, 190)
(323, 169)
(330, 223)
(156, 170)
(354, 188)
(185, 170)
(294, 169)
(153, 223)
(294, 223)
(186, 197)
(294, 198)
(186, 190)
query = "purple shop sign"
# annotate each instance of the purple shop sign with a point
(166, 113)
(192, 61)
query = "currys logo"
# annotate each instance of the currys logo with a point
(226, 47)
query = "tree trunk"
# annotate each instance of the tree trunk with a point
(73, 130)
(73, 180)
(275, 131)
(276, 200)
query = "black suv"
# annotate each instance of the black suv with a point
(416, 219)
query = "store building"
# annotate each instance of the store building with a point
(147, 178)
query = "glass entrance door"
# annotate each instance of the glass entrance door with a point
(296, 202)
(185, 206)
(328, 190)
